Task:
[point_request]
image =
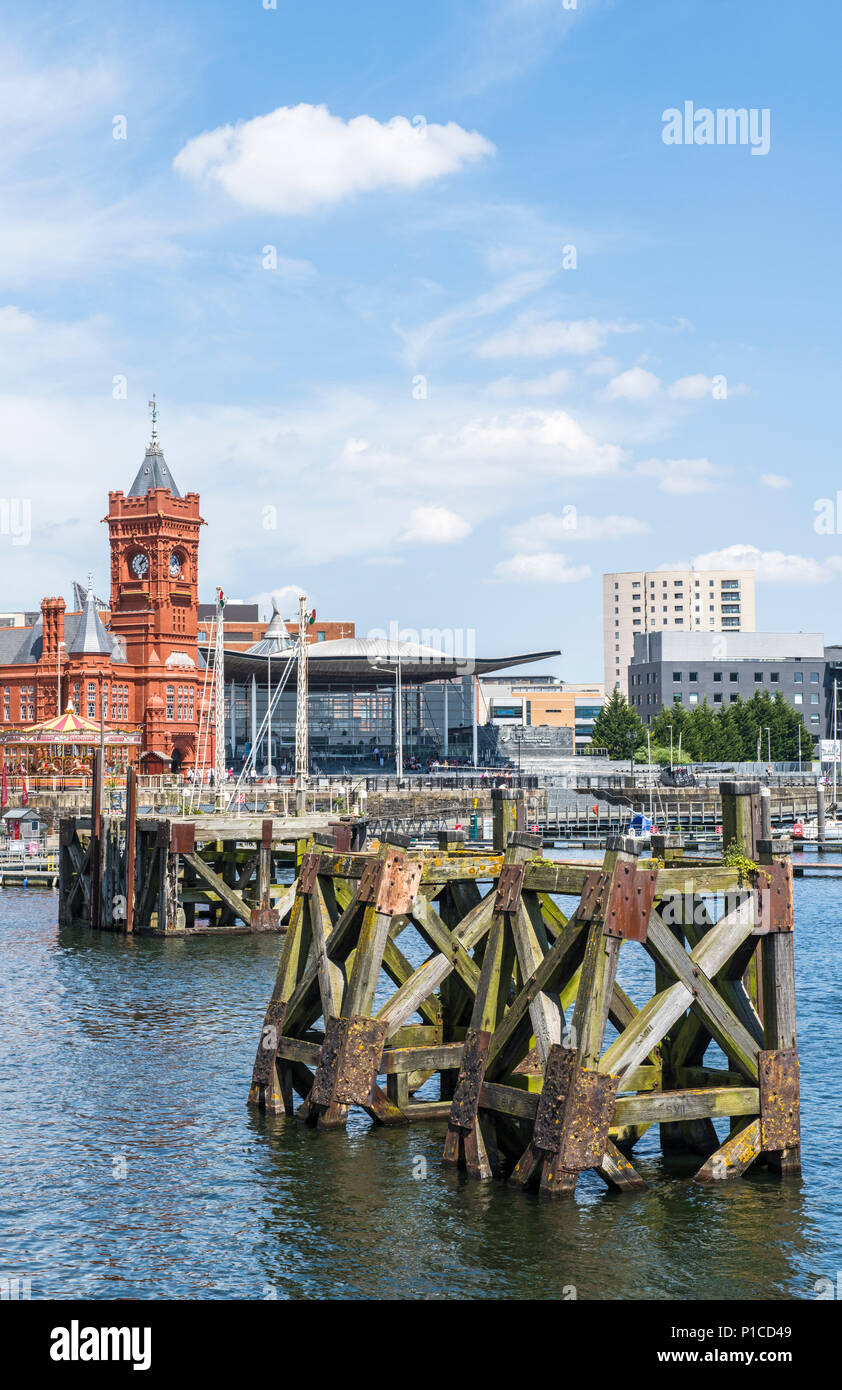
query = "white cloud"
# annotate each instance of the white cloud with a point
(533, 337)
(435, 526)
(691, 388)
(681, 475)
(634, 385)
(543, 568)
(299, 158)
(539, 532)
(773, 566)
(775, 480)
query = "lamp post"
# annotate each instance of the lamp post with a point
(670, 729)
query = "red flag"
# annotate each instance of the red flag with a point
(4, 790)
(24, 794)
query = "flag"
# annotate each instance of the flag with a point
(24, 794)
(4, 789)
(312, 617)
(220, 601)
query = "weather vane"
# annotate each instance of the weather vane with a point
(154, 408)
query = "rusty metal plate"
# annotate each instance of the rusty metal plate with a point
(342, 837)
(509, 888)
(370, 881)
(644, 896)
(265, 918)
(267, 1049)
(183, 837)
(465, 1104)
(162, 835)
(775, 892)
(587, 1120)
(361, 1049)
(399, 884)
(621, 908)
(630, 901)
(549, 1117)
(307, 873)
(593, 895)
(266, 834)
(780, 1099)
(325, 1078)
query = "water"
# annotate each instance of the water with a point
(132, 1167)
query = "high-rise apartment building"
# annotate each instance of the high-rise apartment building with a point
(685, 600)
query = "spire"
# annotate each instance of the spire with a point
(153, 472)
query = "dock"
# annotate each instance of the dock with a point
(516, 994)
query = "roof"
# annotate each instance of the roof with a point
(90, 636)
(275, 639)
(364, 662)
(153, 472)
(22, 813)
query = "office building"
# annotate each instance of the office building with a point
(685, 600)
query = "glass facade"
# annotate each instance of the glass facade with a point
(346, 725)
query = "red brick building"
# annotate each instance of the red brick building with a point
(141, 656)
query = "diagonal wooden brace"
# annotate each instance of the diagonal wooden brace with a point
(263, 1075)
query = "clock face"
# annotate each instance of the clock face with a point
(175, 565)
(140, 565)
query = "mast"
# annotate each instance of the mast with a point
(302, 740)
(219, 703)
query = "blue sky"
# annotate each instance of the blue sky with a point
(336, 242)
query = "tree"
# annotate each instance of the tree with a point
(618, 727)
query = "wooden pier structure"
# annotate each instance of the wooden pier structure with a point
(545, 1067)
(170, 876)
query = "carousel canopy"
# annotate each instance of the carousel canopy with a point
(71, 729)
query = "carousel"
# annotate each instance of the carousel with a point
(63, 749)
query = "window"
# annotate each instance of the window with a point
(665, 608)
(814, 719)
(635, 583)
(7, 705)
(814, 677)
(91, 700)
(730, 608)
(676, 675)
(678, 583)
(676, 699)
(693, 676)
(717, 675)
(170, 701)
(798, 699)
(730, 583)
(774, 676)
(679, 620)
(730, 622)
(733, 675)
(717, 699)
(799, 677)
(635, 622)
(733, 698)
(814, 699)
(679, 608)
(694, 699)
(758, 676)
(636, 609)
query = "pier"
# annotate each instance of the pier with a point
(510, 1009)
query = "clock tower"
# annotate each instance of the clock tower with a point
(154, 537)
